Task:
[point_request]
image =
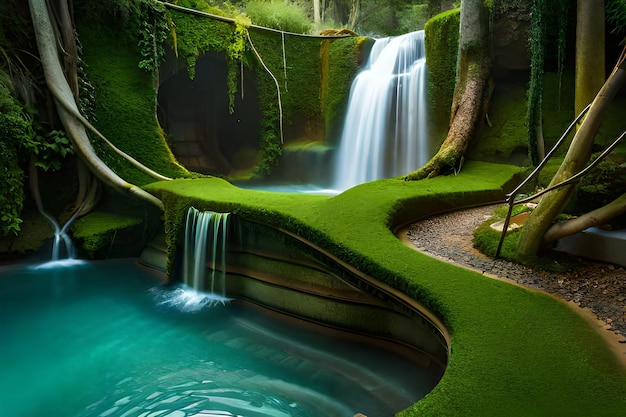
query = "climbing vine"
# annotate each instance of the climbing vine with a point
(153, 31)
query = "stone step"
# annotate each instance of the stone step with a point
(599, 244)
(154, 254)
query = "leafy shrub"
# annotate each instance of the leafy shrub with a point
(279, 14)
(15, 128)
(603, 185)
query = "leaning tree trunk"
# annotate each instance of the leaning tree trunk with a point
(471, 94)
(590, 73)
(594, 218)
(66, 106)
(532, 237)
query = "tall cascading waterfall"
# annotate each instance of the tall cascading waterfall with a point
(205, 234)
(384, 132)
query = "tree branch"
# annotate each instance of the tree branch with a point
(594, 218)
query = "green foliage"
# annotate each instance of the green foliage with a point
(15, 129)
(271, 150)
(392, 18)
(616, 15)
(196, 36)
(279, 14)
(600, 187)
(234, 55)
(49, 148)
(153, 31)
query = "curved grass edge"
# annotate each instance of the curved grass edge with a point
(514, 352)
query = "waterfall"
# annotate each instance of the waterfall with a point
(205, 235)
(384, 132)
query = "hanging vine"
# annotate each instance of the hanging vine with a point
(234, 56)
(535, 89)
(563, 8)
(153, 31)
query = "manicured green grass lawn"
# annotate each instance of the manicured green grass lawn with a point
(514, 352)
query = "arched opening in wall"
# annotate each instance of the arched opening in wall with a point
(203, 135)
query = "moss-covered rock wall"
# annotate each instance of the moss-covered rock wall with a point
(441, 41)
(340, 60)
(124, 100)
(304, 94)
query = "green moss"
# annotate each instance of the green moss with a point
(196, 36)
(125, 105)
(98, 234)
(441, 42)
(293, 60)
(486, 240)
(504, 138)
(299, 91)
(510, 342)
(340, 60)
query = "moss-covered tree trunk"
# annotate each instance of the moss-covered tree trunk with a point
(590, 68)
(471, 94)
(532, 236)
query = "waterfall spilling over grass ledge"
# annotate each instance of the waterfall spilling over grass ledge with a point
(514, 352)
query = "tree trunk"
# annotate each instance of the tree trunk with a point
(355, 8)
(66, 106)
(532, 237)
(471, 94)
(590, 68)
(317, 19)
(87, 187)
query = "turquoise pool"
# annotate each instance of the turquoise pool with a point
(107, 339)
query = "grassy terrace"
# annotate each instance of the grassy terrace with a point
(514, 352)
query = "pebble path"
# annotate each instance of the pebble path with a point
(599, 287)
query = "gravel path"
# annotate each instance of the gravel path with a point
(597, 286)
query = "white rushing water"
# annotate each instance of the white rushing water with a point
(205, 233)
(384, 132)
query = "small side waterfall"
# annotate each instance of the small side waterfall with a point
(205, 236)
(384, 132)
(205, 246)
